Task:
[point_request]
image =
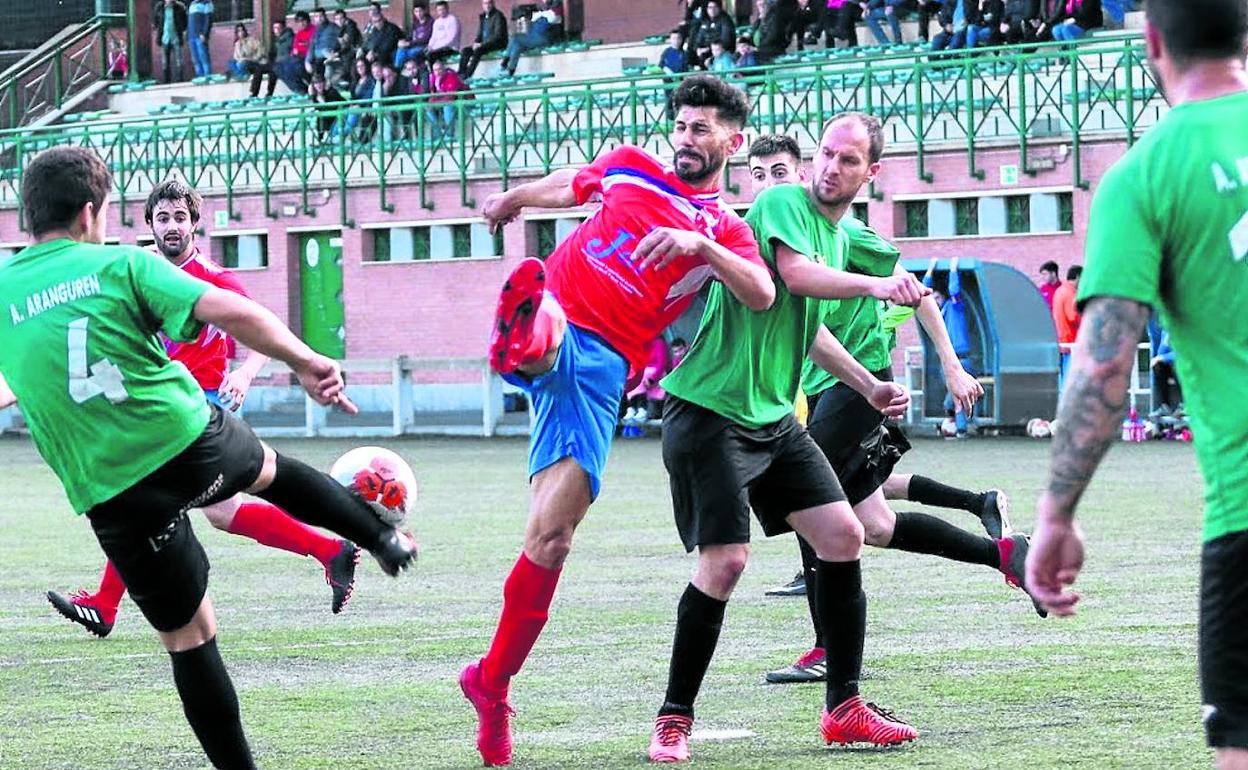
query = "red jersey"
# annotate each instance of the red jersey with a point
(208, 356)
(592, 273)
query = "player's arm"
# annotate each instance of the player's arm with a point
(256, 327)
(237, 383)
(749, 281)
(806, 277)
(7, 397)
(829, 354)
(965, 389)
(553, 191)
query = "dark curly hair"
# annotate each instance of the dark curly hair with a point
(709, 91)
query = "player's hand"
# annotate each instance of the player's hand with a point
(663, 245)
(889, 398)
(233, 389)
(322, 379)
(499, 210)
(964, 388)
(900, 290)
(1055, 558)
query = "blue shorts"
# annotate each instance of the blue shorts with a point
(213, 399)
(576, 405)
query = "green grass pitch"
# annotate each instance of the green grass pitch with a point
(949, 646)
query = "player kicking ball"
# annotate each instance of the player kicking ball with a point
(129, 433)
(172, 212)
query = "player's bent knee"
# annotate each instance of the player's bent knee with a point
(268, 471)
(720, 568)
(549, 546)
(201, 628)
(1231, 759)
(221, 515)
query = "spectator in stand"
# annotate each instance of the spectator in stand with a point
(928, 9)
(491, 36)
(804, 25)
(1078, 18)
(328, 100)
(673, 61)
(776, 25)
(545, 28)
(248, 53)
(988, 22)
(324, 42)
(746, 56)
(361, 90)
(291, 69)
(381, 37)
(385, 82)
(1066, 317)
(445, 85)
(444, 40)
(280, 43)
(118, 62)
(413, 80)
(1050, 282)
(722, 62)
(1049, 12)
(959, 21)
(840, 22)
(198, 28)
(714, 26)
(349, 37)
(875, 11)
(1020, 21)
(415, 44)
(694, 11)
(169, 17)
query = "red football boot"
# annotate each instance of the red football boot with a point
(855, 721)
(512, 337)
(493, 717)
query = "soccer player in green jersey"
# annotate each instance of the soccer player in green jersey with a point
(1169, 230)
(128, 431)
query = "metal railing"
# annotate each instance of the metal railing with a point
(60, 69)
(1006, 98)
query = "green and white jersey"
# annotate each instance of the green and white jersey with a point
(78, 346)
(1169, 228)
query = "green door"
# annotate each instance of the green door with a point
(320, 283)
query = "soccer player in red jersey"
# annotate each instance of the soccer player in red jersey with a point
(575, 330)
(173, 212)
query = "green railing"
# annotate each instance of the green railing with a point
(1005, 98)
(57, 71)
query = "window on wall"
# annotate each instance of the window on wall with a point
(966, 216)
(241, 252)
(547, 234)
(1037, 212)
(916, 219)
(1066, 211)
(436, 242)
(1018, 214)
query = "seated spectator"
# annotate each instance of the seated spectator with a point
(673, 60)
(247, 54)
(545, 28)
(840, 22)
(415, 44)
(445, 85)
(1019, 22)
(338, 64)
(929, 9)
(959, 26)
(722, 62)
(745, 53)
(891, 11)
(118, 61)
(491, 36)
(1050, 14)
(385, 83)
(327, 98)
(280, 43)
(1078, 17)
(381, 37)
(713, 26)
(198, 32)
(324, 41)
(988, 20)
(361, 90)
(413, 80)
(291, 69)
(804, 25)
(444, 40)
(778, 22)
(694, 11)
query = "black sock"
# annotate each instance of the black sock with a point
(843, 611)
(211, 706)
(698, 620)
(810, 568)
(920, 533)
(315, 498)
(932, 492)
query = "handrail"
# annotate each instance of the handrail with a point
(1009, 97)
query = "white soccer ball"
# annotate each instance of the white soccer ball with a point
(949, 427)
(1038, 428)
(380, 478)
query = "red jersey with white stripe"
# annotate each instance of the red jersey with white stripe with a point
(592, 272)
(208, 356)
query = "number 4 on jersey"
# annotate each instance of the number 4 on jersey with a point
(1239, 239)
(105, 378)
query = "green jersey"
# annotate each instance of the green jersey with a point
(1169, 228)
(746, 365)
(79, 348)
(858, 322)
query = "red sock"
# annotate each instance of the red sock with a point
(112, 588)
(527, 594)
(271, 526)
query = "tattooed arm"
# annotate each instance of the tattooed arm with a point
(1089, 418)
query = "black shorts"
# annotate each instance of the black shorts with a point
(720, 470)
(145, 531)
(861, 445)
(1224, 640)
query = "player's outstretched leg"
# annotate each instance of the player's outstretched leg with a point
(836, 535)
(97, 612)
(269, 525)
(527, 323)
(313, 497)
(991, 507)
(812, 665)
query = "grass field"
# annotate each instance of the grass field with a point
(949, 646)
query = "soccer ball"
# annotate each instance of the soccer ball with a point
(380, 478)
(949, 427)
(1038, 428)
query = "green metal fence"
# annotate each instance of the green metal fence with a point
(993, 98)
